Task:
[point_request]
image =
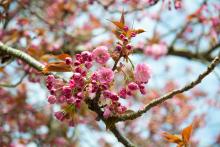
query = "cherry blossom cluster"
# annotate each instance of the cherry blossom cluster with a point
(86, 81)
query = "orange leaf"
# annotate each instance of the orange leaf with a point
(57, 67)
(172, 138)
(139, 31)
(35, 52)
(122, 20)
(63, 56)
(118, 24)
(186, 133)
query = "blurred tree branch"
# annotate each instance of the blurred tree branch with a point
(14, 85)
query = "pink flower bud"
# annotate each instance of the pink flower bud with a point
(80, 95)
(123, 93)
(78, 69)
(51, 99)
(114, 97)
(128, 46)
(66, 90)
(78, 57)
(143, 91)
(125, 39)
(77, 63)
(122, 36)
(52, 91)
(86, 56)
(126, 28)
(50, 79)
(118, 47)
(59, 115)
(94, 88)
(94, 76)
(68, 60)
(88, 65)
(133, 34)
(72, 83)
(132, 86)
(76, 76)
(49, 86)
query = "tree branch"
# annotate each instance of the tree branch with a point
(169, 95)
(187, 54)
(120, 137)
(21, 55)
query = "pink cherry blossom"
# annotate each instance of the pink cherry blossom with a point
(105, 75)
(156, 50)
(142, 73)
(101, 55)
(68, 60)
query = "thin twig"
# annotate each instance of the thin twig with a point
(171, 94)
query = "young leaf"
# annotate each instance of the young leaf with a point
(122, 20)
(120, 24)
(186, 133)
(57, 67)
(182, 140)
(139, 31)
(63, 56)
(172, 138)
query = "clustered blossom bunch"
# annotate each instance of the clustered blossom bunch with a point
(83, 83)
(86, 82)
